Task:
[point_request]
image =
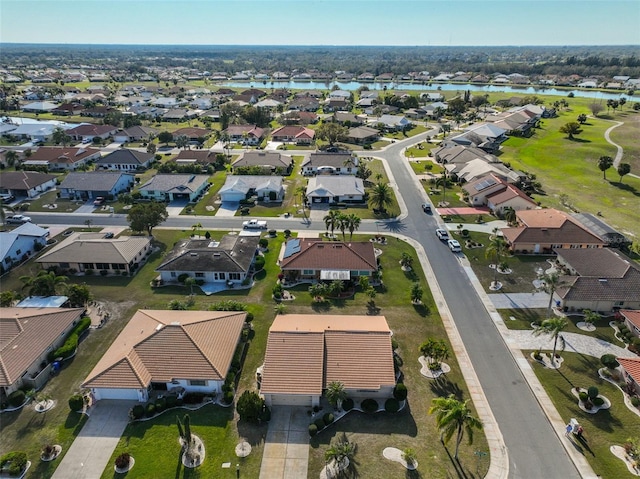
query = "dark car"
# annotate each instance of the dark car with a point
(426, 207)
(108, 235)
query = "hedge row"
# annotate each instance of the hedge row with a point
(71, 342)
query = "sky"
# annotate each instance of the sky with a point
(322, 22)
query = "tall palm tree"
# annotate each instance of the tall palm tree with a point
(342, 452)
(442, 181)
(11, 157)
(553, 327)
(302, 192)
(454, 417)
(496, 248)
(353, 223)
(45, 283)
(510, 216)
(336, 393)
(381, 196)
(343, 223)
(551, 282)
(604, 163)
(331, 220)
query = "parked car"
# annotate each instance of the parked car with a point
(99, 201)
(442, 234)
(18, 220)
(7, 197)
(426, 207)
(108, 235)
(454, 245)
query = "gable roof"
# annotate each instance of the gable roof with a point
(138, 131)
(324, 255)
(23, 180)
(233, 254)
(632, 315)
(93, 247)
(244, 183)
(508, 193)
(239, 130)
(126, 156)
(306, 352)
(160, 346)
(361, 132)
(62, 154)
(335, 185)
(294, 131)
(93, 180)
(201, 156)
(632, 367)
(25, 333)
(263, 158)
(175, 183)
(91, 129)
(334, 160)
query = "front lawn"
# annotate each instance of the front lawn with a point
(601, 430)
(401, 135)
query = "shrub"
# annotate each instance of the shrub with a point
(369, 405)
(347, 404)
(122, 461)
(319, 423)
(259, 263)
(394, 344)
(172, 401)
(137, 411)
(249, 406)
(14, 462)
(249, 317)
(263, 243)
(598, 401)
(391, 405)
(104, 272)
(635, 401)
(592, 392)
(313, 430)
(16, 398)
(328, 418)
(287, 233)
(583, 396)
(609, 361)
(88, 272)
(272, 233)
(76, 402)
(161, 404)
(193, 397)
(182, 277)
(150, 410)
(265, 415)
(400, 392)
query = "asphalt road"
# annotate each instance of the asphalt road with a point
(534, 450)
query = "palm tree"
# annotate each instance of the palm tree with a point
(343, 224)
(190, 281)
(406, 260)
(45, 283)
(442, 181)
(337, 286)
(497, 247)
(553, 327)
(353, 223)
(381, 196)
(331, 220)
(416, 293)
(336, 394)
(604, 163)
(11, 157)
(551, 282)
(302, 192)
(340, 453)
(195, 227)
(623, 169)
(453, 416)
(510, 216)
(590, 317)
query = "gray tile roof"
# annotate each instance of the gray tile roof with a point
(263, 158)
(171, 183)
(126, 157)
(94, 248)
(335, 160)
(92, 180)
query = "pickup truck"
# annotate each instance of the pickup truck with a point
(254, 225)
(17, 220)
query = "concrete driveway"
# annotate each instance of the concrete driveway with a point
(90, 452)
(286, 447)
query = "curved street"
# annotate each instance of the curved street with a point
(521, 423)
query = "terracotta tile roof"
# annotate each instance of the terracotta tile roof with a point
(568, 232)
(160, 346)
(60, 154)
(239, 130)
(315, 254)
(81, 130)
(509, 193)
(632, 315)
(632, 367)
(25, 333)
(305, 352)
(543, 218)
(293, 131)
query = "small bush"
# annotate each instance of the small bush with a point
(265, 415)
(228, 397)
(193, 398)
(597, 401)
(583, 396)
(635, 401)
(161, 404)
(592, 392)
(273, 233)
(369, 405)
(122, 461)
(392, 405)
(400, 392)
(182, 277)
(171, 401)
(150, 410)
(347, 404)
(313, 430)
(328, 418)
(259, 263)
(76, 402)
(263, 242)
(14, 462)
(287, 233)
(137, 411)
(319, 423)
(16, 398)
(609, 361)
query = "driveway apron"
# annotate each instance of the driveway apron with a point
(286, 447)
(90, 452)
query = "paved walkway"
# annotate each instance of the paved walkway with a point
(519, 300)
(91, 450)
(286, 447)
(464, 210)
(619, 152)
(479, 227)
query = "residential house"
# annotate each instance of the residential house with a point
(305, 353)
(39, 107)
(89, 132)
(26, 184)
(631, 372)
(92, 184)
(346, 118)
(478, 168)
(217, 264)
(295, 117)
(170, 187)
(64, 157)
(18, 245)
(124, 159)
(306, 103)
(299, 135)
(599, 279)
(179, 114)
(240, 187)
(330, 164)
(202, 157)
(270, 162)
(362, 135)
(68, 109)
(308, 259)
(335, 189)
(495, 192)
(631, 318)
(98, 111)
(547, 230)
(187, 351)
(82, 252)
(192, 133)
(135, 133)
(244, 134)
(169, 102)
(28, 336)
(392, 122)
(39, 131)
(606, 233)
(336, 104)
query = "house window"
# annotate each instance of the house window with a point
(574, 246)
(64, 265)
(87, 265)
(102, 265)
(308, 272)
(556, 246)
(199, 275)
(197, 382)
(363, 273)
(19, 251)
(118, 266)
(235, 276)
(619, 303)
(222, 275)
(173, 274)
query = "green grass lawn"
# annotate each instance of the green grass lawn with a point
(421, 167)
(603, 429)
(49, 198)
(400, 135)
(627, 135)
(555, 159)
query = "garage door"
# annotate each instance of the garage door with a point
(232, 196)
(290, 400)
(113, 393)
